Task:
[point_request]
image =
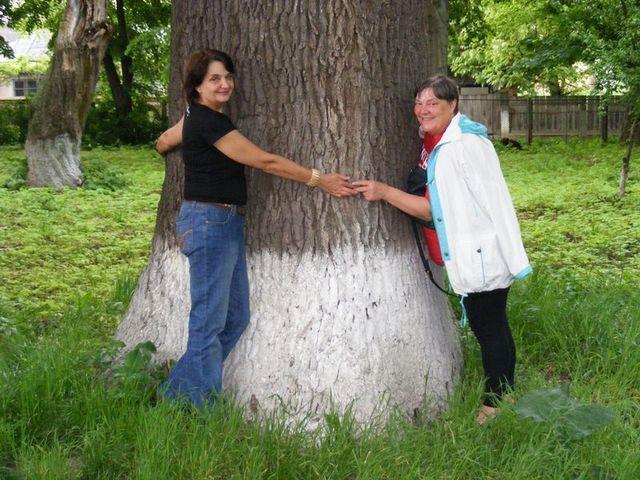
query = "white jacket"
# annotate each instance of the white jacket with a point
(472, 211)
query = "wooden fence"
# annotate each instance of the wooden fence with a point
(545, 116)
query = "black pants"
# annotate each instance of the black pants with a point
(487, 313)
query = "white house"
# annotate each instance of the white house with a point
(30, 47)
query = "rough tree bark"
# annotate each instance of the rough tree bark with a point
(341, 310)
(60, 108)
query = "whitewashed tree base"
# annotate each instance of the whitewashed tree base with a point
(346, 331)
(351, 330)
(159, 309)
(53, 162)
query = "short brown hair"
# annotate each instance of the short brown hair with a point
(197, 67)
(443, 88)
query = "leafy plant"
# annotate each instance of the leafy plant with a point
(136, 372)
(23, 66)
(105, 126)
(99, 175)
(571, 419)
(15, 118)
(19, 178)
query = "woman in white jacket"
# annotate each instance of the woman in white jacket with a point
(475, 232)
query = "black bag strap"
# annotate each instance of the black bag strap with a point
(423, 257)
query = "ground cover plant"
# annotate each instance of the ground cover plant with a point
(61, 245)
(68, 263)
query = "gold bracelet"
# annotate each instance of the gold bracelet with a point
(315, 178)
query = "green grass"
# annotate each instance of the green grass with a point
(572, 220)
(58, 245)
(70, 259)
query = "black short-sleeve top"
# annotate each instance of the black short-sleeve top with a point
(209, 175)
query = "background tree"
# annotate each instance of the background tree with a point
(516, 43)
(135, 62)
(341, 308)
(612, 50)
(553, 43)
(5, 49)
(137, 51)
(60, 108)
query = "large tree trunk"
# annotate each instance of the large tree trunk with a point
(60, 108)
(341, 309)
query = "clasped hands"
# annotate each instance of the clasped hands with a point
(339, 185)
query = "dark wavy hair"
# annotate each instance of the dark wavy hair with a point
(443, 88)
(197, 68)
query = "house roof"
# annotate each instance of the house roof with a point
(8, 34)
(33, 45)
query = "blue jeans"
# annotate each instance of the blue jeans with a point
(212, 238)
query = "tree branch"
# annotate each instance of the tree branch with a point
(125, 60)
(118, 92)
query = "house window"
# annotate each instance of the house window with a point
(24, 86)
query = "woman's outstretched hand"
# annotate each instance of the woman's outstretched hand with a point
(414, 205)
(337, 185)
(371, 190)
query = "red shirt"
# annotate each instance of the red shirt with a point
(430, 235)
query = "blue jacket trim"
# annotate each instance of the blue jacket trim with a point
(523, 273)
(464, 319)
(466, 126)
(469, 126)
(436, 206)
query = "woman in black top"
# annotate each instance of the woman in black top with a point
(211, 221)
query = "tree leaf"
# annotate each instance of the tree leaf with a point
(546, 404)
(583, 420)
(571, 419)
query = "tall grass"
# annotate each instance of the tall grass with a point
(66, 412)
(64, 417)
